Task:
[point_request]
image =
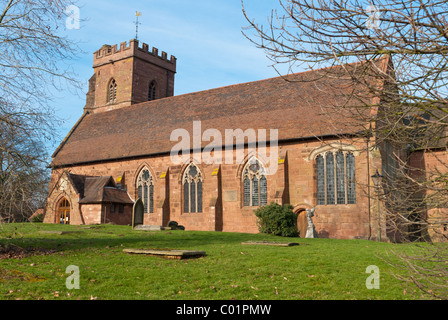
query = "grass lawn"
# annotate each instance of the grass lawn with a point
(315, 269)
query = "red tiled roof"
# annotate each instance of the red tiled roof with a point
(99, 190)
(294, 107)
(36, 213)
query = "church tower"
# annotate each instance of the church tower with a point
(129, 75)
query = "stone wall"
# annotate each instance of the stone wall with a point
(429, 165)
(294, 182)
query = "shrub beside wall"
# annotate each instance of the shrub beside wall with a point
(38, 218)
(277, 220)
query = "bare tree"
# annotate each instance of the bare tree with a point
(397, 51)
(23, 178)
(33, 57)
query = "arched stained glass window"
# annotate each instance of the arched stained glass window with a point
(193, 201)
(320, 165)
(255, 188)
(199, 196)
(263, 190)
(145, 198)
(336, 178)
(145, 187)
(330, 177)
(340, 178)
(247, 188)
(351, 183)
(192, 182)
(140, 192)
(186, 196)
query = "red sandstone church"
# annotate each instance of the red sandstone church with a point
(119, 152)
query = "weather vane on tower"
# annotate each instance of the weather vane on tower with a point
(137, 14)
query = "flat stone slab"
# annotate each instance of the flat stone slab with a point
(150, 227)
(271, 243)
(170, 254)
(59, 232)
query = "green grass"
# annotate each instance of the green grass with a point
(316, 269)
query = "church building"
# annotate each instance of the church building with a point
(121, 151)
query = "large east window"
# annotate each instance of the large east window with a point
(336, 178)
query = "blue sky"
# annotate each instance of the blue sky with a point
(204, 35)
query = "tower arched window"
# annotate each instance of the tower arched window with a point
(112, 91)
(145, 189)
(192, 185)
(255, 191)
(152, 92)
(336, 177)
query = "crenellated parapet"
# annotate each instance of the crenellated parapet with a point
(111, 53)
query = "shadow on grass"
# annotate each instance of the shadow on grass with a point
(67, 238)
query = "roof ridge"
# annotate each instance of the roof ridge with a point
(243, 83)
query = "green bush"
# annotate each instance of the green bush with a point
(38, 218)
(277, 220)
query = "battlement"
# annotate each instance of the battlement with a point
(108, 53)
(128, 74)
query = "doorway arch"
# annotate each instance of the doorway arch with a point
(138, 213)
(64, 211)
(302, 221)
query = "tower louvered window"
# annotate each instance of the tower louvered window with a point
(255, 190)
(336, 178)
(192, 184)
(152, 93)
(112, 91)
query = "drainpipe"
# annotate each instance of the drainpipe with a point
(103, 212)
(80, 212)
(368, 184)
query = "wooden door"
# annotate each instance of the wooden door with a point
(302, 223)
(137, 213)
(64, 212)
